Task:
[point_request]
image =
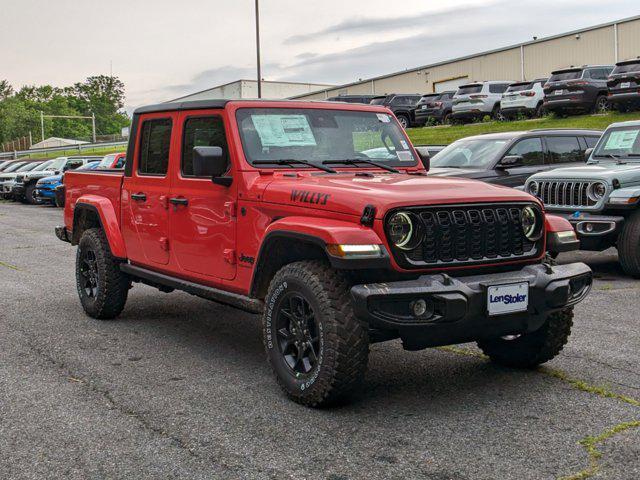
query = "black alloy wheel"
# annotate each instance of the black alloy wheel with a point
(297, 333)
(89, 273)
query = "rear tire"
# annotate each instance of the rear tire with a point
(315, 345)
(629, 246)
(404, 120)
(446, 120)
(497, 114)
(531, 349)
(540, 111)
(102, 286)
(602, 104)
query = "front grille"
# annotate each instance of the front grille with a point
(469, 234)
(565, 194)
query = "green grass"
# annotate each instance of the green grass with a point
(445, 134)
(74, 152)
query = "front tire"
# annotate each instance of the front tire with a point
(102, 286)
(30, 195)
(315, 345)
(531, 349)
(629, 246)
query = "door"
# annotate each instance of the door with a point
(532, 153)
(202, 214)
(145, 209)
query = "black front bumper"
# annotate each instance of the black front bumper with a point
(595, 232)
(459, 305)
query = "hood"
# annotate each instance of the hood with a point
(50, 179)
(626, 173)
(40, 174)
(348, 193)
(7, 176)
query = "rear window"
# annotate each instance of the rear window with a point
(430, 98)
(569, 75)
(378, 101)
(469, 89)
(627, 68)
(519, 87)
(405, 100)
(498, 87)
(155, 140)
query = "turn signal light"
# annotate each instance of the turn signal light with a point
(350, 251)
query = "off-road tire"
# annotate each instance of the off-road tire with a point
(112, 284)
(532, 349)
(343, 339)
(404, 120)
(629, 245)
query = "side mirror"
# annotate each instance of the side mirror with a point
(511, 161)
(210, 162)
(587, 154)
(424, 157)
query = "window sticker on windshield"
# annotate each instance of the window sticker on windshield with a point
(621, 140)
(404, 155)
(404, 144)
(283, 130)
(383, 117)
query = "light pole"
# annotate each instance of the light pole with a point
(258, 49)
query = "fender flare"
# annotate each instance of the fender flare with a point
(320, 232)
(108, 221)
(554, 223)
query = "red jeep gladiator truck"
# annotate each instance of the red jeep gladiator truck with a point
(321, 217)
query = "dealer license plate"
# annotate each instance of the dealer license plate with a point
(625, 85)
(503, 299)
(558, 92)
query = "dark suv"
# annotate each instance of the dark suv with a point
(434, 107)
(366, 99)
(510, 158)
(578, 90)
(624, 85)
(402, 105)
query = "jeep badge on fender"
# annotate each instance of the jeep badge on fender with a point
(341, 240)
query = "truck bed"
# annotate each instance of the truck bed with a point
(94, 185)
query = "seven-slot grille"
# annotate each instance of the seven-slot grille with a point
(469, 234)
(565, 194)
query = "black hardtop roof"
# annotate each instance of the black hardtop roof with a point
(534, 132)
(629, 62)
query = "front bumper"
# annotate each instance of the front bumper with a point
(45, 192)
(595, 232)
(460, 311)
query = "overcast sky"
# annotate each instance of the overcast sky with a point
(163, 49)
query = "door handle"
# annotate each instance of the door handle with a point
(140, 197)
(179, 201)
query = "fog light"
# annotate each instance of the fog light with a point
(421, 308)
(589, 227)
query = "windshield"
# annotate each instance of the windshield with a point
(561, 76)
(316, 135)
(28, 167)
(627, 68)
(13, 167)
(89, 166)
(619, 143)
(57, 163)
(42, 166)
(469, 153)
(107, 161)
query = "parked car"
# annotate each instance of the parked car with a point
(474, 101)
(523, 98)
(510, 158)
(8, 177)
(25, 186)
(8, 163)
(624, 85)
(112, 161)
(335, 250)
(602, 198)
(366, 99)
(578, 90)
(402, 105)
(434, 107)
(427, 152)
(46, 187)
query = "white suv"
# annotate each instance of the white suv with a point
(524, 98)
(475, 100)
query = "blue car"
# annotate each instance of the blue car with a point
(46, 187)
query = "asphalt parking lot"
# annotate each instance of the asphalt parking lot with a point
(179, 388)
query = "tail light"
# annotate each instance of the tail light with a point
(528, 94)
(478, 96)
(437, 104)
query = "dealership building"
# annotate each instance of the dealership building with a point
(240, 89)
(602, 44)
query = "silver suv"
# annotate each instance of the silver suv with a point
(475, 100)
(602, 198)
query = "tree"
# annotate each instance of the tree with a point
(6, 90)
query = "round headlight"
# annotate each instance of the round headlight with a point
(403, 229)
(596, 191)
(532, 223)
(532, 188)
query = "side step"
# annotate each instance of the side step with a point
(248, 304)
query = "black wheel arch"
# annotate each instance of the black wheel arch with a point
(85, 216)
